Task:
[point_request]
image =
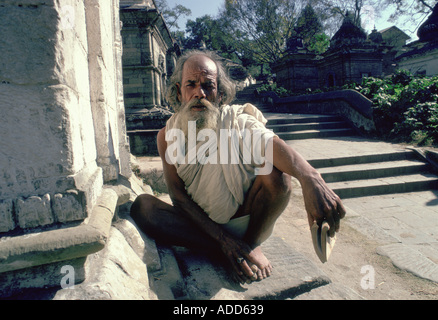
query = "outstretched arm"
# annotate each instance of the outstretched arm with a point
(320, 201)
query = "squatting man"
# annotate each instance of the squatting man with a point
(219, 204)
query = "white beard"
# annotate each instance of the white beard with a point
(207, 119)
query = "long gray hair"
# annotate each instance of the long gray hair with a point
(226, 88)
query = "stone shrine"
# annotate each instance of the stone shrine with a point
(351, 56)
(149, 56)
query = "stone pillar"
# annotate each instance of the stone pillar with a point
(62, 130)
(106, 88)
(47, 137)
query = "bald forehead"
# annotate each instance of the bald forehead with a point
(200, 65)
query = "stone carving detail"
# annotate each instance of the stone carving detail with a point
(68, 207)
(36, 211)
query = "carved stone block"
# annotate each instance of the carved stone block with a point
(34, 211)
(6, 216)
(68, 207)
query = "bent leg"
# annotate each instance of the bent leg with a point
(165, 224)
(265, 201)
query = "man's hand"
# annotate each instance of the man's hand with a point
(322, 203)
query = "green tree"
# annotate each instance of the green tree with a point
(171, 15)
(309, 28)
(319, 43)
(199, 32)
(260, 28)
(206, 31)
(307, 24)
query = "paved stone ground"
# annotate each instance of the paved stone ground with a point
(206, 279)
(400, 228)
(407, 223)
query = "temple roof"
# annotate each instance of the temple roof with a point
(348, 33)
(428, 31)
(375, 36)
(137, 4)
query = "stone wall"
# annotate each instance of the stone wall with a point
(350, 66)
(61, 109)
(422, 62)
(62, 133)
(350, 104)
(297, 72)
(149, 56)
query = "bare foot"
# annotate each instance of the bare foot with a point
(248, 264)
(255, 266)
(259, 263)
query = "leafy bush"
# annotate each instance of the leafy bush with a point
(405, 107)
(280, 91)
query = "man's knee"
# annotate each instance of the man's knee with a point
(142, 208)
(278, 184)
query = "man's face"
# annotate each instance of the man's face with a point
(199, 81)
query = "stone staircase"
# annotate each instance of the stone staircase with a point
(310, 126)
(377, 174)
(358, 175)
(247, 96)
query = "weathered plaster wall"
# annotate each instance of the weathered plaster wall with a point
(424, 63)
(62, 131)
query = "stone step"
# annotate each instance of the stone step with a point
(373, 170)
(292, 127)
(385, 185)
(300, 118)
(312, 134)
(358, 175)
(363, 159)
(245, 94)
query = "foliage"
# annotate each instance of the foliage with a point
(259, 28)
(273, 87)
(308, 23)
(308, 27)
(200, 31)
(405, 107)
(171, 15)
(319, 43)
(207, 31)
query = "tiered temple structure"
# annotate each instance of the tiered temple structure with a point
(351, 56)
